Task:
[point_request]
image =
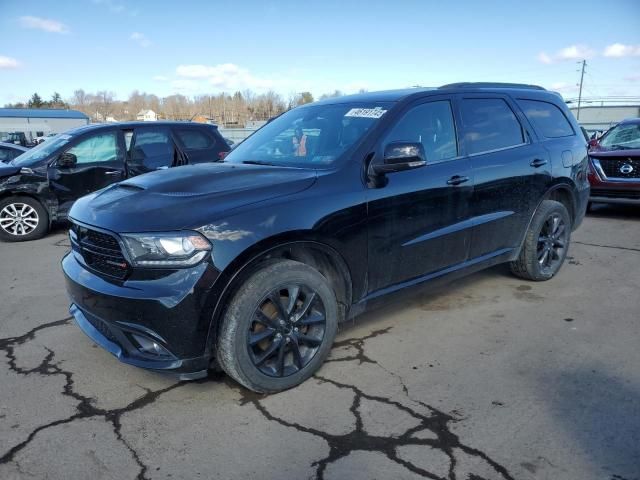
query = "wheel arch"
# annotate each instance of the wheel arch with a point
(9, 193)
(301, 246)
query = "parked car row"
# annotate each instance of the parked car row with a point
(38, 187)
(250, 264)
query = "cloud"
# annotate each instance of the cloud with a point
(621, 50)
(8, 62)
(160, 78)
(44, 24)
(632, 78)
(141, 39)
(225, 76)
(572, 52)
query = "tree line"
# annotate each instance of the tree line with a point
(223, 109)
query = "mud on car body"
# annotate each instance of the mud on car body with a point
(251, 264)
(38, 187)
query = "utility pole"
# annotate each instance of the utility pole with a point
(584, 64)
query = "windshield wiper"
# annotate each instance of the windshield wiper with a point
(258, 162)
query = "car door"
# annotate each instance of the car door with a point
(99, 161)
(510, 170)
(150, 148)
(418, 219)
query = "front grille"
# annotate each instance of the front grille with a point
(100, 251)
(611, 167)
(101, 327)
(615, 193)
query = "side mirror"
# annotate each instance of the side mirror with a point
(67, 160)
(593, 142)
(400, 156)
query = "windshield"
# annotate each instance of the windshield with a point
(622, 137)
(42, 151)
(313, 137)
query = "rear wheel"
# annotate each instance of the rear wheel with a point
(278, 328)
(21, 219)
(546, 244)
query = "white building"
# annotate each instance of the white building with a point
(147, 116)
(36, 122)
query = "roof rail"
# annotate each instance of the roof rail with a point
(491, 85)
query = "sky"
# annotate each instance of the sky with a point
(207, 47)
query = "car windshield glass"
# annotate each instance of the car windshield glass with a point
(40, 152)
(623, 137)
(314, 136)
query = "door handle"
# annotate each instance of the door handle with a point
(538, 162)
(457, 180)
(113, 172)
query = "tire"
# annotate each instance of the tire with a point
(253, 314)
(532, 262)
(34, 224)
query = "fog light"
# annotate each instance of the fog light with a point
(147, 345)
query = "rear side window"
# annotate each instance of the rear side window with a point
(151, 149)
(547, 118)
(489, 124)
(195, 139)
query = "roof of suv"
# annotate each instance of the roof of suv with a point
(98, 126)
(403, 94)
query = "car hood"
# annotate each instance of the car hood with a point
(186, 197)
(603, 152)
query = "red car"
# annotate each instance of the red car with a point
(614, 167)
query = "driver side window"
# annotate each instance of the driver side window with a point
(430, 124)
(96, 149)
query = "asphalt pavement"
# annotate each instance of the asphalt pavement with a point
(491, 377)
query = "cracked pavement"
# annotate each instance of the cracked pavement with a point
(488, 378)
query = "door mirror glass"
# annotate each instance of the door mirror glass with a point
(67, 160)
(399, 156)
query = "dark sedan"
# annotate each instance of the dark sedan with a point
(614, 171)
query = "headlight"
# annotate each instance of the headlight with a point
(169, 250)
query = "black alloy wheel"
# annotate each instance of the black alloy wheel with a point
(287, 329)
(552, 242)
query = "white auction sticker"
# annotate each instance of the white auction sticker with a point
(366, 112)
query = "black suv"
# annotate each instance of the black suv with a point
(250, 264)
(40, 186)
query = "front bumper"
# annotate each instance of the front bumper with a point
(606, 190)
(171, 311)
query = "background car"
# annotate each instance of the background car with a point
(40, 186)
(9, 151)
(614, 166)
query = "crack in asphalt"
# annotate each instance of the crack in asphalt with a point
(358, 344)
(85, 408)
(616, 247)
(340, 446)
(358, 439)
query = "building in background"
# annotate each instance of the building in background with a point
(602, 117)
(38, 122)
(147, 116)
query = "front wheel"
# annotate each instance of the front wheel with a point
(546, 243)
(21, 219)
(279, 327)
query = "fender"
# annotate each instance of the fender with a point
(561, 185)
(243, 265)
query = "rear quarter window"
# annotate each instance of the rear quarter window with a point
(547, 118)
(195, 139)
